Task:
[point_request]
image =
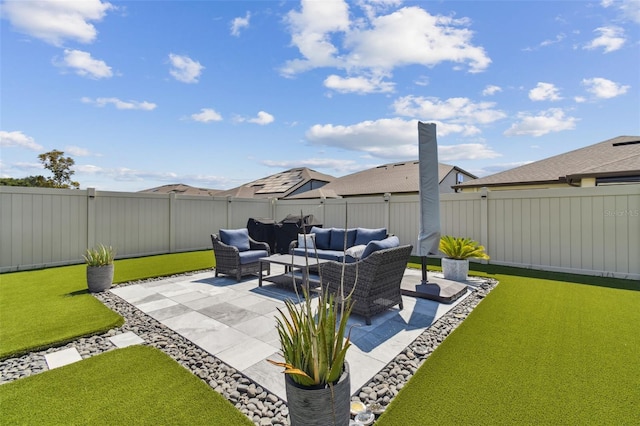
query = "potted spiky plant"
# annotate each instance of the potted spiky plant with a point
(458, 251)
(99, 267)
(314, 349)
(314, 344)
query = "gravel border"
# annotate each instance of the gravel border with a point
(257, 403)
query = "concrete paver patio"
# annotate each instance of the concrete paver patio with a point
(236, 323)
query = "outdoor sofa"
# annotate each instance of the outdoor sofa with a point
(329, 243)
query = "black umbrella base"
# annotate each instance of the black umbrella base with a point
(438, 289)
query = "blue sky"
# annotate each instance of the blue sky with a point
(219, 93)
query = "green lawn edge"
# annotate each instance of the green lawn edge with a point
(534, 351)
(51, 307)
(135, 385)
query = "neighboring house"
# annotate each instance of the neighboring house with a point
(394, 178)
(180, 188)
(280, 185)
(614, 161)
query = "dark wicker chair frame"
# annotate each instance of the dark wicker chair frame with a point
(376, 280)
(228, 258)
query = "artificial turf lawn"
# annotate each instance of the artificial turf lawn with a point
(48, 307)
(535, 351)
(161, 265)
(136, 385)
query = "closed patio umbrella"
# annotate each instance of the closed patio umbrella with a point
(429, 236)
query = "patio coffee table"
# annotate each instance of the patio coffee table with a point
(290, 263)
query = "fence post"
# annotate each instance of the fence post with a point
(228, 212)
(172, 222)
(91, 217)
(484, 218)
(272, 203)
(387, 211)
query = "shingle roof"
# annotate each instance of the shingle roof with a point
(394, 178)
(277, 185)
(619, 156)
(180, 188)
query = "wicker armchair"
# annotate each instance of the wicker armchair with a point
(232, 261)
(378, 280)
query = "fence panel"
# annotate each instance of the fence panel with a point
(40, 227)
(585, 230)
(195, 221)
(135, 224)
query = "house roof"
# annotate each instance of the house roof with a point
(403, 177)
(179, 188)
(615, 157)
(278, 185)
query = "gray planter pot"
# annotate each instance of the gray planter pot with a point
(99, 278)
(455, 269)
(319, 407)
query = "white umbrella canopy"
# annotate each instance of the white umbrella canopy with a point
(429, 236)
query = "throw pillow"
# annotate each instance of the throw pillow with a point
(364, 235)
(355, 251)
(337, 239)
(374, 246)
(236, 237)
(322, 237)
(307, 241)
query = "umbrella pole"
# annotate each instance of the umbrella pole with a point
(424, 269)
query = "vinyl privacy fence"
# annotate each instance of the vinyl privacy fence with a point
(583, 230)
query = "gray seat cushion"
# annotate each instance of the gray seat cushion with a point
(251, 256)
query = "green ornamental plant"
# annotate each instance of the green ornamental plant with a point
(312, 340)
(100, 255)
(461, 248)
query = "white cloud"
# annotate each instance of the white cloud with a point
(386, 138)
(491, 90)
(262, 119)
(465, 151)
(611, 39)
(123, 174)
(630, 9)
(85, 66)
(551, 120)
(206, 115)
(311, 30)
(239, 24)
(456, 110)
(56, 21)
(603, 88)
(558, 39)
(422, 81)
(407, 36)
(359, 85)
(373, 7)
(78, 151)
(412, 36)
(184, 68)
(544, 92)
(19, 139)
(392, 138)
(119, 104)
